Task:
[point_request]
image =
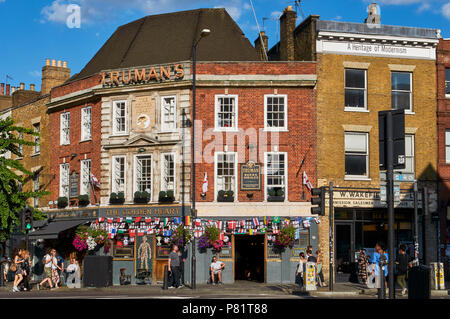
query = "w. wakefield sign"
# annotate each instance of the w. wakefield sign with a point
(145, 75)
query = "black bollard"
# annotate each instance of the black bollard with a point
(166, 278)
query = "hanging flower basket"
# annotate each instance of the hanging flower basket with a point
(91, 239)
(181, 236)
(285, 238)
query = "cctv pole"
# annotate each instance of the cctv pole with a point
(331, 226)
(390, 200)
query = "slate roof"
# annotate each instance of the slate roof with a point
(167, 38)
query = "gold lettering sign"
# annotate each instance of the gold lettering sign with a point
(144, 75)
(142, 211)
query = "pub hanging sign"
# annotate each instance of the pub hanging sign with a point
(250, 176)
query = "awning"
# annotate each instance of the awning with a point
(52, 230)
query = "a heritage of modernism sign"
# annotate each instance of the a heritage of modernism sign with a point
(149, 211)
(144, 75)
(250, 176)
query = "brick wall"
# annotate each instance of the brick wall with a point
(76, 86)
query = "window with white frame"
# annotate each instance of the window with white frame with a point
(226, 171)
(64, 180)
(37, 139)
(118, 174)
(409, 154)
(143, 174)
(275, 112)
(65, 128)
(85, 177)
(20, 137)
(356, 154)
(355, 88)
(168, 108)
(226, 112)
(86, 123)
(120, 117)
(36, 187)
(401, 91)
(447, 146)
(168, 172)
(447, 82)
(275, 167)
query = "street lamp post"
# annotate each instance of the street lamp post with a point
(204, 33)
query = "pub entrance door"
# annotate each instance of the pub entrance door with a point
(249, 257)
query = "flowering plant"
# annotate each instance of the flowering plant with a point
(79, 243)
(203, 242)
(181, 236)
(217, 245)
(88, 238)
(286, 237)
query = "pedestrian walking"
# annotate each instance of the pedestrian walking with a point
(299, 275)
(61, 273)
(311, 258)
(174, 268)
(182, 260)
(363, 262)
(48, 261)
(18, 267)
(26, 271)
(55, 268)
(379, 250)
(402, 262)
(322, 282)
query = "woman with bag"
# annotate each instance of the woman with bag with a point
(300, 269)
(47, 269)
(18, 265)
(55, 267)
(26, 270)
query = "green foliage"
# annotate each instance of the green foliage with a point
(221, 193)
(229, 193)
(83, 200)
(62, 202)
(212, 233)
(100, 235)
(12, 198)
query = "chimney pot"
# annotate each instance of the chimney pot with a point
(32, 86)
(7, 89)
(53, 62)
(2, 88)
(47, 62)
(22, 86)
(64, 64)
(59, 63)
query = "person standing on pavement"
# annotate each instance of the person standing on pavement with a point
(174, 268)
(182, 260)
(300, 269)
(319, 269)
(379, 250)
(47, 269)
(402, 262)
(26, 270)
(363, 262)
(311, 258)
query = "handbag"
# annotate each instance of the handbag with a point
(13, 267)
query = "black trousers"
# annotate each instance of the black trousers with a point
(174, 277)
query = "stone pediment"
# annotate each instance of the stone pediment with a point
(141, 140)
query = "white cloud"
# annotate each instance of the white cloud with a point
(424, 7)
(446, 10)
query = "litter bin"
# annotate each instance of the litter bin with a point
(419, 282)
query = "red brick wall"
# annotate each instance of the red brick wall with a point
(76, 86)
(296, 142)
(91, 148)
(225, 68)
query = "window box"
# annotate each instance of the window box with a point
(166, 197)
(62, 202)
(83, 200)
(117, 198)
(276, 195)
(141, 197)
(225, 196)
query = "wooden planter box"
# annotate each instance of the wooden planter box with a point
(225, 199)
(275, 198)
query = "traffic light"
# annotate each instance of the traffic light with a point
(319, 201)
(27, 219)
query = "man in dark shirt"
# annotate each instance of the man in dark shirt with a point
(174, 268)
(402, 267)
(311, 258)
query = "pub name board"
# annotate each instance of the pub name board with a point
(143, 75)
(144, 211)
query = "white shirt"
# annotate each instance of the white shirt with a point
(72, 267)
(54, 263)
(300, 266)
(217, 265)
(49, 259)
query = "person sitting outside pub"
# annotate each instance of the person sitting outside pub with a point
(216, 269)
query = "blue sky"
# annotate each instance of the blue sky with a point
(33, 30)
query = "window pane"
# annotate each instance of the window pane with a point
(354, 98)
(355, 78)
(447, 137)
(447, 81)
(401, 100)
(401, 81)
(355, 142)
(355, 165)
(447, 153)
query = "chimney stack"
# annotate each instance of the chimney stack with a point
(54, 75)
(374, 16)
(2, 88)
(262, 48)
(32, 87)
(287, 26)
(7, 89)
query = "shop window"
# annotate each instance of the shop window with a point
(37, 139)
(64, 180)
(355, 89)
(120, 117)
(86, 123)
(85, 177)
(447, 82)
(226, 112)
(143, 174)
(65, 128)
(168, 108)
(226, 171)
(168, 172)
(356, 154)
(275, 107)
(275, 166)
(118, 174)
(401, 91)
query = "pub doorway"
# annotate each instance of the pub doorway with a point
(249, 258)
